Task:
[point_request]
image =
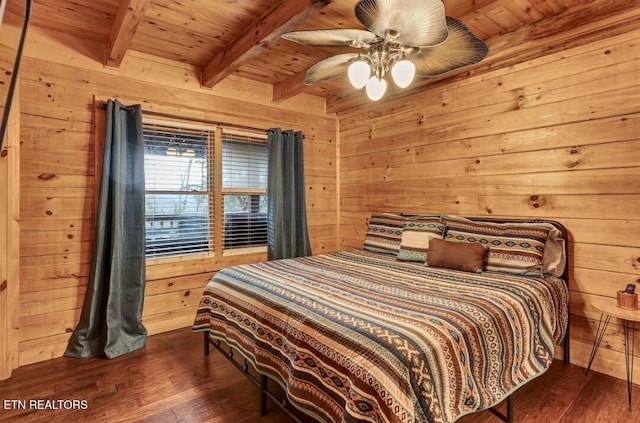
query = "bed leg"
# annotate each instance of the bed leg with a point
(206, 343)
(263, 394)
(565, 347)
(507, 417)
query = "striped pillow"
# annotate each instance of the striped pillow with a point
(513, 248)
(384, 233)
(414, 245)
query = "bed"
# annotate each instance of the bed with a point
(408, 329)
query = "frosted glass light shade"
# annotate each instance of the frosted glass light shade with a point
(376, 88)
(403, 73)
(359, 72)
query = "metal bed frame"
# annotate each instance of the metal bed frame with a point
(263, 382)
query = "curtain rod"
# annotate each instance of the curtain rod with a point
(103, 106)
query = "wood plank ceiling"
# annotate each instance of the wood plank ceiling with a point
(242, 37)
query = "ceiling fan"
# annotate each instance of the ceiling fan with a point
(402, 37)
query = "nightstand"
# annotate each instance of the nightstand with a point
(609, 308)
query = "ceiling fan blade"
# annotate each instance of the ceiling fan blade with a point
(331, 37)
(416, 22)
(329, 68)
(462, 48)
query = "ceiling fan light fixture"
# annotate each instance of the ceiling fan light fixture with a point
(403, 72)
(359, 73)
(406, 38)
(376, 88)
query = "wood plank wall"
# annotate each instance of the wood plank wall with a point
(60, 77)
(9, 235)
(557, 137)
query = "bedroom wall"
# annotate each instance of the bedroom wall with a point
(60, 77)
(554, 137)
(9, 234)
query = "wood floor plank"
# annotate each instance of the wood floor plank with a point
(170, 381)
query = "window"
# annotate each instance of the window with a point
(177, 198)
(182, 190)
(244, 189)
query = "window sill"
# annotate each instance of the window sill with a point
(177, 258)
(197, 256)
(244, 251)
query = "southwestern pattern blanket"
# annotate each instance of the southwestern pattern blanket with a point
(358, 336)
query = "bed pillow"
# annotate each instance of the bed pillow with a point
(513, 247)
(554, 260)
(416, 234)
(384, 233)
(465, 256)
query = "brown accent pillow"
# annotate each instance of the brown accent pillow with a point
(469, 257)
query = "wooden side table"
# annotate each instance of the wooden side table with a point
(609, 308)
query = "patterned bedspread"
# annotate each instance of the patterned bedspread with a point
(357, 336)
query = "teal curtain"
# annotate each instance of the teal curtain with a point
(110, 323)
(287, 234)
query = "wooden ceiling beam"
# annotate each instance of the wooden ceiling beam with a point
(124, 27)
(290, 87)
(257, 37)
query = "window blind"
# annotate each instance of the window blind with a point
(244, 189)
(177, 164)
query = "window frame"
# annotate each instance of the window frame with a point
(256, 137)
(216, 192)
(178, 125)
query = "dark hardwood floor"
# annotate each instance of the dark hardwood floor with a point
(171, 381)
